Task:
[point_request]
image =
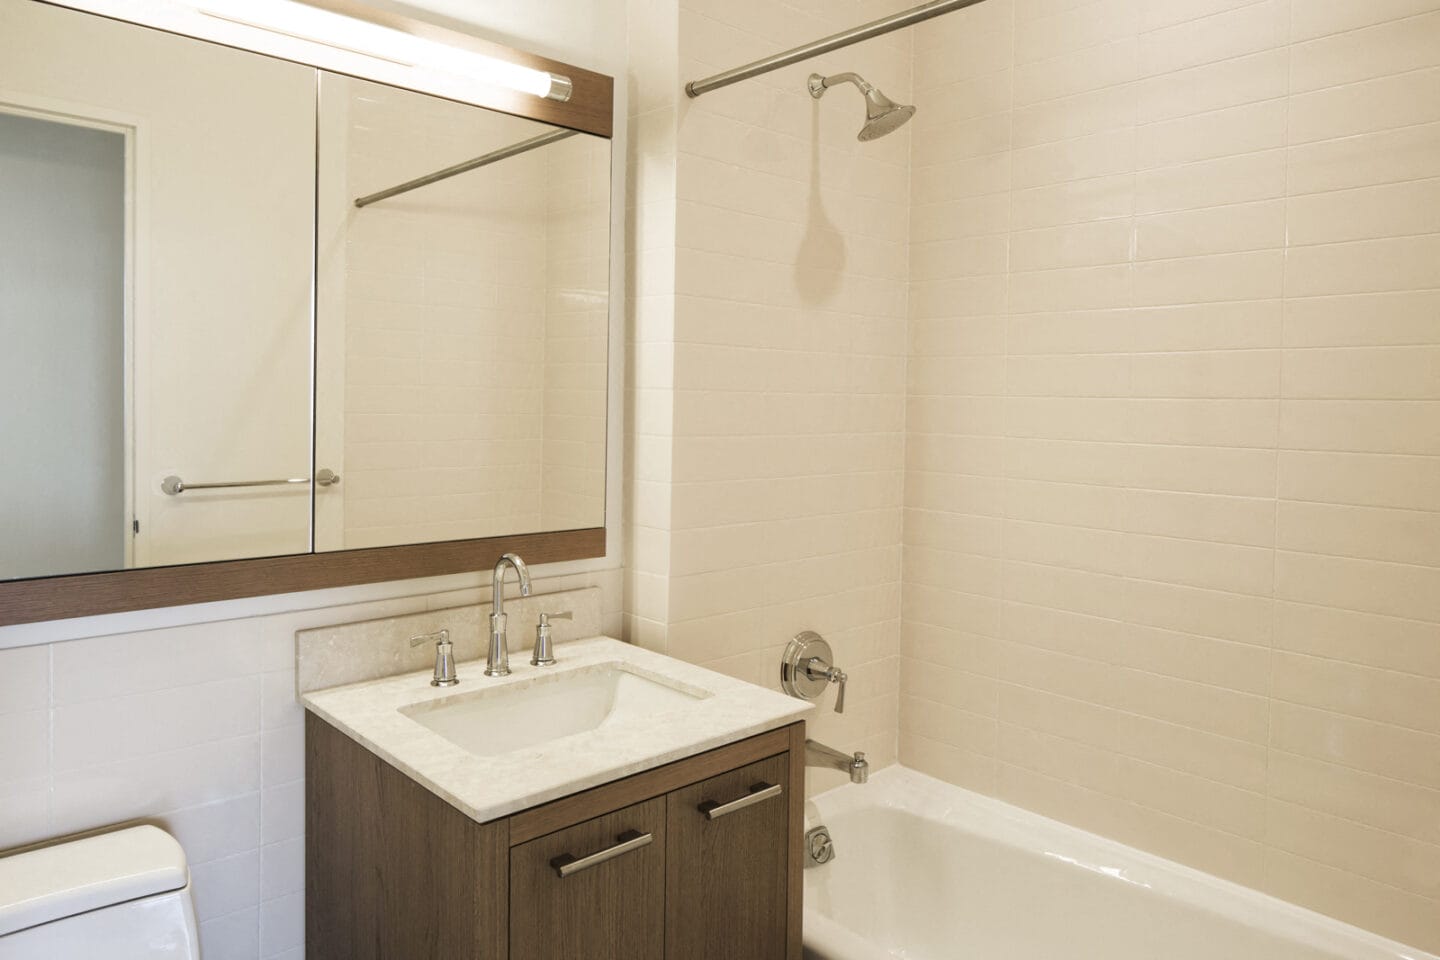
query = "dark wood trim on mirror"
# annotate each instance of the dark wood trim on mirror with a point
(123, 591)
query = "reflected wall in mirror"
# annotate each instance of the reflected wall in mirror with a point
(156, 230)
(461, 323)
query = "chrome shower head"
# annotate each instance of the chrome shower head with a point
(882, 115)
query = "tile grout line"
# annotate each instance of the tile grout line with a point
(1270, 684)
(1007, 307)
(50, 818)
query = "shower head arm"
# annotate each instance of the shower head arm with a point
(819, 84)
(882, 115)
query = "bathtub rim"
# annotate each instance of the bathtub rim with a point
(953, 807)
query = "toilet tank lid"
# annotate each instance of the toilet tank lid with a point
(70, 878)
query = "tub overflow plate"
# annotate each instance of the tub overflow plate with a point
(819, 848)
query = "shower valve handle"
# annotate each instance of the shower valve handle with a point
(806, 669)
(818, 669)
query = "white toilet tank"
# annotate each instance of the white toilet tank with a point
(117, 896)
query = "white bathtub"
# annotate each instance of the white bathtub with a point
(927, 871)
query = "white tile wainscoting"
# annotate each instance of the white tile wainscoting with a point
(195, 728)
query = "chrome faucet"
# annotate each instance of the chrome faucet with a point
(497, 662)
(444, 657)
(819, 755)
(544, 655)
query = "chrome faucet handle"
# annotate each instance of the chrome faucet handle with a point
(544, 656)
(444, 657)
(439, 636)
(816, 668)
(806, 670)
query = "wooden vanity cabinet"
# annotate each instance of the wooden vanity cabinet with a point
(615, 908)
(725, 877)
(695, 860)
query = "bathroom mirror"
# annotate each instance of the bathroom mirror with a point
(464, 260)
(284, 327)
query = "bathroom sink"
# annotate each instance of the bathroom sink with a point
(496, 745)
(489, 723)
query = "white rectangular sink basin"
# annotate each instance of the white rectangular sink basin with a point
(490, 723)
(496, 745)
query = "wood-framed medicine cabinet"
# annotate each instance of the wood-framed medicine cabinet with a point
(424, 375)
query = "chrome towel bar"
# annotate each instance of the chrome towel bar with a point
(173, 486)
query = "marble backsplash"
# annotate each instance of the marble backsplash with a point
(369, 649)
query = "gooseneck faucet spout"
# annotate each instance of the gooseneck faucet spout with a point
(497, 662)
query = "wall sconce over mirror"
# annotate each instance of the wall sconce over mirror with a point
(214, 355)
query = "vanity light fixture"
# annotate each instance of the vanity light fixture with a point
(303, 22)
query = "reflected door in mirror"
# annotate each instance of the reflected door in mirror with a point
(62, 318)
(156, 211)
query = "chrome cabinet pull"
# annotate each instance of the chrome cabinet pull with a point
(567, 866)
(759, 792)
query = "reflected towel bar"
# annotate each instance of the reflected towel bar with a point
(173, 486)
(524, 146)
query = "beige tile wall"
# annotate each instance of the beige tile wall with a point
(652, 96)
(1172, 507)
(791, 266)
(770, 340)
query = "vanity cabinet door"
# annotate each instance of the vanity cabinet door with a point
(727, 865)
(610, 902)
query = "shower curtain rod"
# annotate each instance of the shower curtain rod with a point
(524, 146)
(834, 42)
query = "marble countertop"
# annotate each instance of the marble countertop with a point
(490, 787)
